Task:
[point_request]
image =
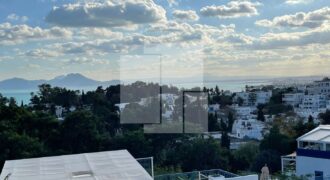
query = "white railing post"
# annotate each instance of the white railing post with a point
(152, 167)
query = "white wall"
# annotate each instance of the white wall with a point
(249, 177)
(308, 165)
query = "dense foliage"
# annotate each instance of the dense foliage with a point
(34, 131)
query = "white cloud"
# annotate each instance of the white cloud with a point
(233, 9)
(172, 2)
(86, 33)
(168, 34)
(15, 17)
(16, 34)
(4, 58)
(294, 2)
(86, 60)
(311, 19)
(109, 13)
(189, 15)
(41, 53)
(320, 35)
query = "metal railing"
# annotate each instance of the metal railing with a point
(148, 164)
(196, 175)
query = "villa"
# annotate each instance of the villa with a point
(312, 157)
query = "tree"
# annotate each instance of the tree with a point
(325, 117)
(244, 156)
(230, 121)
(81, 132)
(270, 157)
(276, 141)
(310, 119)
(201, 154)
(225, 140)
(217, 91)
(3, 100)
(135, 142)
(213, 123)
(16, 146)
(240, 101)
(260, 113)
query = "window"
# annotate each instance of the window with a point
(318, 175)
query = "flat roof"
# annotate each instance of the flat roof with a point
(115, 165)
(320, 134)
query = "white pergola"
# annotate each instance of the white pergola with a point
(317, 139)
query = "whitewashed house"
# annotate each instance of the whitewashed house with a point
(248, 129)
(244, 112)
(263, 97)
(320, 87)
(293, 99)
(312, 105)
(253, 98)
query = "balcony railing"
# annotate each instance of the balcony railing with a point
(313, 153)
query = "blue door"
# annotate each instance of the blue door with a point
(318, 175)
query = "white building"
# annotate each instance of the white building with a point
(312, 105)
(116, 165)
(121, 106)
(169, 99)
(244, 96)
(252, 129)
(263, 97)
(293, 99)
(244, 112)
(59, 111)
(313, 153)
(213, 108)
(320, 87)
(313, 102)
(253, 98)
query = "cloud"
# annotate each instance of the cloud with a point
(17, 34)
(294, 2)
(184, 33)
(233, 9)
(107, 14)
(311, 19)
(172, 2)
(169, 34)
(185, 15)
(41, 53)
(15, 17)
(86, 33)
(320, 35)
(86, 60)
(4, 58)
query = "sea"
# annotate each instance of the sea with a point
(23, 96)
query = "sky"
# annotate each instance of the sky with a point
(139, 39)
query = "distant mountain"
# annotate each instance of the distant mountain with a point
(69, 81)
(19, 83)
